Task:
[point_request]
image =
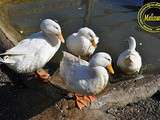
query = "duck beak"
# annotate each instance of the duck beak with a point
(94, 43)
(60, 37)
(110, 68)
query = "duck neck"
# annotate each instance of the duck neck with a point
(53, 40)
(132, 44)
(93, 63)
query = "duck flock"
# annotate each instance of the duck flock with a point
(84, 78)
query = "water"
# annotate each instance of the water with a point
(112, 20)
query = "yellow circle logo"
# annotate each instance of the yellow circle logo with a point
(149, 17)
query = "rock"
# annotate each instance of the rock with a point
(130, 91)
(4, 42)
(7, 28)
(90, 115)
(143, 110)
(4, 79)
(121, 93)
(56, 113)
(8, 35)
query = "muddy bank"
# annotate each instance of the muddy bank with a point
(122, 100)
(142, 110)
(24, 97)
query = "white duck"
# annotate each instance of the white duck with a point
(130, 61)
(34, 52)
(85, 79)
(82, 43)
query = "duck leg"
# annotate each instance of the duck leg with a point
(42, 75)
(83, 101)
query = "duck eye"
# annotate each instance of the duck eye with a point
(90, 35)
(108, 59)
(56, 27)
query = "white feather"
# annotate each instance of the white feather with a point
(80, 43)
(34, 52)
(135, 59)
(82, 78)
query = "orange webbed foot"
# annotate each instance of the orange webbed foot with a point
(42, 75)
(84, 101)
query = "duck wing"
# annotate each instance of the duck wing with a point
(77, 74)
(18, 50)
(73, 44)
(69, 62)
(26, 46)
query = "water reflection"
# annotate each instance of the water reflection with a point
(112, 20)
(89, 10)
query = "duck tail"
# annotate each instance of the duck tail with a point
(1, 60)
(6, 60)
(69, 57)
(132, 43)
(62, 64)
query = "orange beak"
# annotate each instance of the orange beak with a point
(60, 37)
(110, 69)
(94, 44)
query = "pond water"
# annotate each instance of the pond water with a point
(112, 20)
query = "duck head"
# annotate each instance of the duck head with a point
(50, 27)
(90, 35)
(102, 59)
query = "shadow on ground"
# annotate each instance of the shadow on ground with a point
(19, 101)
